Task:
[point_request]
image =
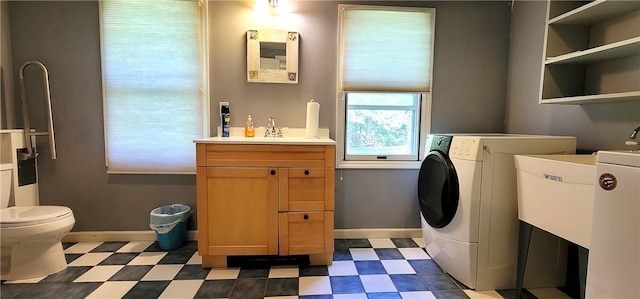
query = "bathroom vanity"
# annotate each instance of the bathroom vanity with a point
(265, 196)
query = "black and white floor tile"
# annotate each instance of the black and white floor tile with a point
(362, 268)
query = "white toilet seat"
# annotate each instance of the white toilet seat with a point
(25, 216)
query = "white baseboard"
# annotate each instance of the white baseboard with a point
(118, 236)
(147, 236)
(373, 233)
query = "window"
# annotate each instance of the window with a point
(154, 74)
(384, 125)
(384, 80)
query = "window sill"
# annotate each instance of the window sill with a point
(378, 164)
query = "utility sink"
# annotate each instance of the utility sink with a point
(556, 194)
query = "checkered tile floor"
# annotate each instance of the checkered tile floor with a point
(362, 268)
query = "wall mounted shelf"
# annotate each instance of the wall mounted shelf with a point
(621, 49)
(591, 52)
(595, 12)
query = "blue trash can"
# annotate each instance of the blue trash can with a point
(170, 224)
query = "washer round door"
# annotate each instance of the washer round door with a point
(438, 191)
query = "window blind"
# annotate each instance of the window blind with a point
(152, 65)
(386, 48)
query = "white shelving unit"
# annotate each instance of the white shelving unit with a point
(591, 52)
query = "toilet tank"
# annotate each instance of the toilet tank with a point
(5, 181)
(20, 195)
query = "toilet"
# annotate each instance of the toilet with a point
(30, 236)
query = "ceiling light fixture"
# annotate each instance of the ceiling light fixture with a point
(271, 7)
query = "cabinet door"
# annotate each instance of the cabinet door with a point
(306, 233)
(242, 211)
(302, 189)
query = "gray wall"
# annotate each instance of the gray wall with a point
(597, 126)
(7, 103)
(470, 72)
(65, 36)
(469, 92)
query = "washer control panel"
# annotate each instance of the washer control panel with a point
(466, 147)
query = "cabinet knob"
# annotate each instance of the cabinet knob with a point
(306, 172)
(273, 172)
(305, 216)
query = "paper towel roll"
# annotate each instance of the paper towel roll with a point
(313, 115)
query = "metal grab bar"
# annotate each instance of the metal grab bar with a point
(28, 132)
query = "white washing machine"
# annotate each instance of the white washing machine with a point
(613, 269)
(468, 202)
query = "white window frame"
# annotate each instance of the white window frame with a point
(415, 139)
(425, 127)
(204, 95)
(341, 110)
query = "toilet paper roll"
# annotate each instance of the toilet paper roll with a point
(313, 115)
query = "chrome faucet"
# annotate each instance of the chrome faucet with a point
(634, 134)
(270, 131)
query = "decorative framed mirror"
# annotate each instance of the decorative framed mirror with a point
(272, 56)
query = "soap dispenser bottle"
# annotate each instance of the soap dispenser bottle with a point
(248, 127)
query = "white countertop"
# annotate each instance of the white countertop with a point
(269, 140)
(292, 136)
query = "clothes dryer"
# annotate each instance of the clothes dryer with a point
(468, 203)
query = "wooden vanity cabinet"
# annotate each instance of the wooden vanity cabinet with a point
(259, 199)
